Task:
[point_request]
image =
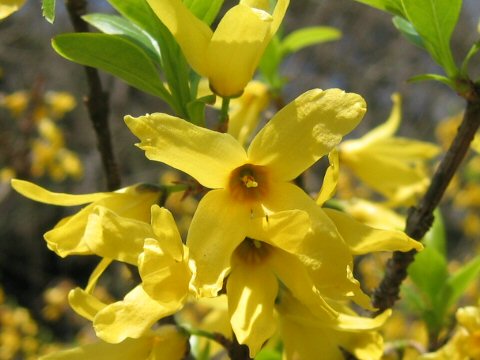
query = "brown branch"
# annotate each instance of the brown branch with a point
(97, 102)
(420, 218)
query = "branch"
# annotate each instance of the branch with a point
(97, 102)
(420, 218)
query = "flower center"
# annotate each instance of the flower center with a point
(252, 251)
(248, 183)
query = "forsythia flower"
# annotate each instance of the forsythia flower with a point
(306, 335)
(393, 166)
(465, 343)
(229, 56)
(69, 236)
(253, 183)
(164, 343)
(8, 7)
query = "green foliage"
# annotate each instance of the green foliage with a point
(114, 54)
(48, 10)
(435, 21)
(205, 10)
(269, 354)
(436, 291)
(407, 30)
(279, 48)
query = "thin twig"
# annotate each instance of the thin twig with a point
(420, 218)
(97, 102)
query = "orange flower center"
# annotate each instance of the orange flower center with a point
(249, 183)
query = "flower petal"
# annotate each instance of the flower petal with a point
(363, 239)
(236, 48)
(37, 193)
(165, 279)
(166, 232)
(132, 317)
(207, 155)
(115, 237)
(192, 34)
(218, 227)
(126, 350)
(169, 344)
(251, 292)
(330, 179)
(305, 130)
(84, 303)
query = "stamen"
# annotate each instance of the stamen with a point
(249, 181)
(257, 244)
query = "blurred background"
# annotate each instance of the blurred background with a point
(371, 59)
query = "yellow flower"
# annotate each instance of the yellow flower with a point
(70, 235)
(8, 7)
(465, 342)
(228, 56)
(306, 335)
(162, 262)
(165, 343)
(393, 166)
(253, 183)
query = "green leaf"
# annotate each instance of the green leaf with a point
(196, 109)
(436, 236)
(308, 36)
(116, 25)
(471, 53)
(268, 354)
(462, 278)
(429, 273)
(393, 7)
(407, 30)
(114, 54)
(48, 10)
(205, 10)
(424, 77)
(435, 21)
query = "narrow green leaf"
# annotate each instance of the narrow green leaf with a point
(114, 54)
(196, 109)
(424, 77)
(205, 10)
(429, 272)
(268, 354)
(116, 25)
(471, 53)
(462, 278)
(436, 236)
(48, 10)
(435, 21)
(308, 36)
(407, 30)
(413, 298)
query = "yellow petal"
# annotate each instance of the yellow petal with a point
(236, 48)
(359, 323)
(305, 130)
(192, 34)
(294, 275)
(330, 179)
(244, 114)
(169, 344)
(166, 232)
(207, 155)
(363, 239)
(389, 127)
(40, 194)
(165, 279)
(127, 350)
(96, 273)
(8, 7)
(84, 303)
(115, 237)
(132, 317)
(68, 236)
(251, 292)
(218, 227)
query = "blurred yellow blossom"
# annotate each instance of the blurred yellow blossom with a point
(8, 7)
(393, 166)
